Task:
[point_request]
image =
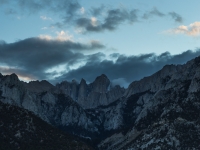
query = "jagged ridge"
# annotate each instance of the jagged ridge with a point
(154, 112)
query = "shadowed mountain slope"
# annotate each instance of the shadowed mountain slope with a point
(21, 129)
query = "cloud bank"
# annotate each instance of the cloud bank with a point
(37, 55)
(32, 58)
(61, 58)
(127, 68)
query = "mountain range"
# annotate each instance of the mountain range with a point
(161, 111)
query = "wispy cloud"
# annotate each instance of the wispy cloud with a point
(64, 36)
(156, 13)
(153, 12)
(44, 28)
(191, 30)
(46, 18)
(82, 10)
(60, 36)
(176, 17)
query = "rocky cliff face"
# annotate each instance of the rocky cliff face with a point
(82, 92)
(92, 95)
(100, 85)
(56, 106)
(38, 86)
(47, 102)
(161, 111)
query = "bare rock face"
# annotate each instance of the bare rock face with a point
(92, 95)
(161, 111)
(83, 90)
(115, 93)
(44, 100)
(158, 112)
(39, 86)
(55, 105)
(101, 83)
(12, 89)
(74, 90)
(69, 88)
(168, 77)
(65, 87)
(97, 94)
(12, 79)
(153, 83)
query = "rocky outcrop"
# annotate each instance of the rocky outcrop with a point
(98, 93)
(11, 89)
(69, 88)
(158, 112)
(82, 92)
(166, 78)
(74, 90)
(161, 111)
(45, 101)
(39, 86)
(55, 105)
(100, 85)
(153, 83)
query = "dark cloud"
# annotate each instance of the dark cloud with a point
(96, 58)
(32, 58)
(176, 17)
(120, 81)
(113, 19)
(127, 68)
(87, 24)
(72, 8)
(114, 55)
(35, 55)
(69, 13)
(96, 11)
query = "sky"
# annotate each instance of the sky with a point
(73, 39)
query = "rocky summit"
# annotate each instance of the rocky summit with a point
(161, 111)
(98, 93)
